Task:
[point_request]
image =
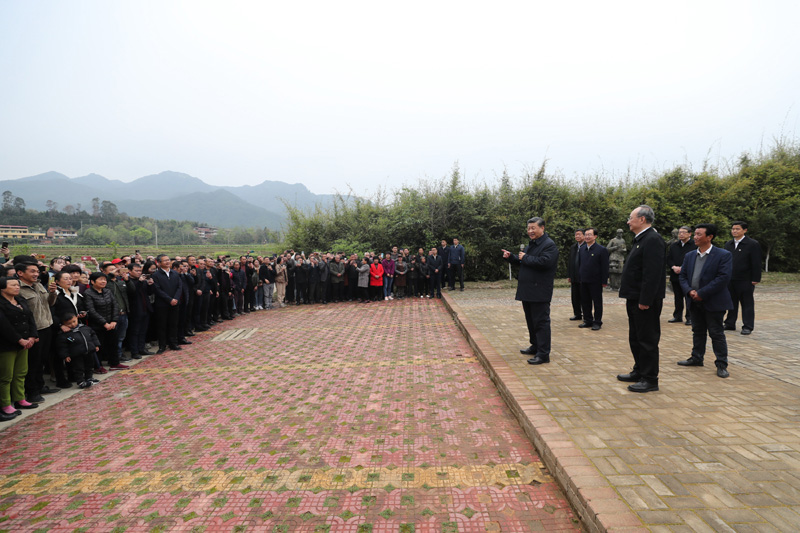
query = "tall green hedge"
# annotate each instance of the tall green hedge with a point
(763, 190)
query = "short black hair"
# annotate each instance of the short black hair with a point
(739, 223)
(711, 229)
(594, 230)
(97, 275)
(67, 317)
(159, 257)
(539, 221)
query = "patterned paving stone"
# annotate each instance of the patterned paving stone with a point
(327, 418)
(703, 453)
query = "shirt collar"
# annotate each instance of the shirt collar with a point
(703, 254)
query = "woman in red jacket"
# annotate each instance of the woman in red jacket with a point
(375, 279)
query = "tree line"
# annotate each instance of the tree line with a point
(762, 189)
(104, 224)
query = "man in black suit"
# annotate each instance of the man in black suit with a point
(593, 276)
(746, 275)
(677, 251)
(643, 286)
(704, 277)
(436, 266)
(168, 289)
(537, 271)
(574, 276)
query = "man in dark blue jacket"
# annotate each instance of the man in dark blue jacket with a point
(704, 278)
(643, 285)
(168, 290)
(455, 264)
(537, 272)
(593, 276)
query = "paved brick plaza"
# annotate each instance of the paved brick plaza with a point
(701, 454)
(343, 417)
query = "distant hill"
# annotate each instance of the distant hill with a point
(172, 195)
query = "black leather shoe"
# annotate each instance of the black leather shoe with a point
(48, 390)
(576, 317)
(36, 399)
(530, 350)
(674, 320)
(722, 372)
(584, 325)
(184, 342)
(175, 348)
(5, 417)
(596, 327)
(136, 356)
(691, 362)
(633, 377)
(147, 352)
(161, 350)
(18, 405)
(189, 334)
(730, 328)
(688, 322)
(643, 386)
(64, 385)
(746, 331)
(538, 360)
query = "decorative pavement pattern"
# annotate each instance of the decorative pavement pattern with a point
(342, 418)
(701, 454)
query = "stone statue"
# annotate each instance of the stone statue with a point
(616, 258)
(674, 237)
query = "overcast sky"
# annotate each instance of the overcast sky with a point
(361, 94)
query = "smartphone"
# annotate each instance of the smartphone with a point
(5, 244)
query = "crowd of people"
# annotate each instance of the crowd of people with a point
(74, 320)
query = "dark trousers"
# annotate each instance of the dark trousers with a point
(238, 300)
(37, 354)
(137, 332)
(644, 334)
(681, 300)
(537, 316)
(182, 314)
(336, 291)
(436, 284)
(166, 318)
(108, 345)
(80, 367)
(708, 323)
(56, 364)
(250, 299)
(375, 292)
(592, 295)
(363, 294)
(352, 288)
(423, 285)
(201, 310)
(315, 291)
(575, 293)
(300, 290)
(224, 304)
(742, 293)
(456, 271)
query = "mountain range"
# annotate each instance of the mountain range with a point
(171, 195)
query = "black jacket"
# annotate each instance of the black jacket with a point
(676, 253)
(746, 260)
(573, 266)
(435, 263)
(140, 301)
(166, 288)
(102, 307)
(76, 342)
(643, 277)
(537, 270)
(15, 324)
(594, 264)
(64, 306)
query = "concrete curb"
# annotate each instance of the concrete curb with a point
(595, 501)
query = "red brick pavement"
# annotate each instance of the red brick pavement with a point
(345, 417)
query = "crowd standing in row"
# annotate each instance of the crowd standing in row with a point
(708, 282)
(64, 320)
